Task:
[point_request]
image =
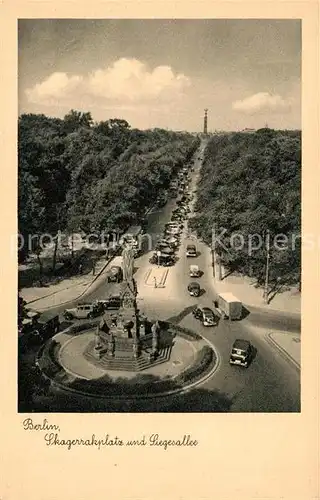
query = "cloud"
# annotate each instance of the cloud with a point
(261, 102)
(126, 80)
(130, 79)
(56, 86)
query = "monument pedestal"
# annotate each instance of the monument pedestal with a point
(118, 338)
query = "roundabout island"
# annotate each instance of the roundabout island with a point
(126, 355)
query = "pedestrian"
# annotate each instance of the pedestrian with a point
(155, 282)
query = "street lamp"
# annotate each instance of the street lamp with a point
(158, 255)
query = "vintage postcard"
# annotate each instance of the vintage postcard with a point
(158, 203)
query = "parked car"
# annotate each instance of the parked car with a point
(191, 251)
(174, 225)
(36, 329)
(194, 271)
(162, 259)
(205, 315)
(161, 244)
(112, 302)
(115, 274)
(48, 324)
(194, 289)
(83, 311)
(242, 353)
(173, 241)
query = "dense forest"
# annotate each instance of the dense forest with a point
(250, 184)
(77, 175)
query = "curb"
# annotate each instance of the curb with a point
(79, 296)
(288, 356)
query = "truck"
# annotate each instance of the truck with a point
(36, 328)
(229, 306)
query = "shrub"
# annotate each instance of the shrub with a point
(47, 358)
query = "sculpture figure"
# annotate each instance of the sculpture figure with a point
(128, 263)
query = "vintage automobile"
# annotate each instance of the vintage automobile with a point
(115, 274)
(242, 353)
(162, 243)
(37, 329)
(112, 302)
(83, 311)
(162, 259)
(173, 241)
(194, 271)
(173, 228)
(194, 289)
(48, 324)
(205, 315)
(191, 251)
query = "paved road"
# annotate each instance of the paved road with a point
(270, 384)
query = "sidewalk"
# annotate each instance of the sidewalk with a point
(287, 343)
(66, 291)
(243, 289)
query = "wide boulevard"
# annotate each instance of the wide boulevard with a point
(270, 384)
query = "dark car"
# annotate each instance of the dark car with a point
(48, 323)
(191, 251)
(162, 259)
(115, 274)
(165, 247)
(194, 289)
(241, 353)
(205, 315)
(112, 302)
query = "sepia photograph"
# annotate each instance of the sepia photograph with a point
(159, 216)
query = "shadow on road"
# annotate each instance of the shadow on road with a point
(245, 312)
(194, 400)
(179, 317)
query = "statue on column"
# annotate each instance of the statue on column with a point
(128, 263)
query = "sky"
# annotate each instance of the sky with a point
(164, 73)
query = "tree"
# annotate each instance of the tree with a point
(250, 184)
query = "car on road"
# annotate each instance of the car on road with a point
(161, 244)
(173, 241)
(112, 302)
(83, 311)
(162, 259)
(194, 271)
(194, 289)
(174, 225)
(191, 251)
(115, 274)
(205, 315)
(36, 328)
(242, 353)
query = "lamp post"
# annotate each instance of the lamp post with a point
(266, 283)
(213, 252)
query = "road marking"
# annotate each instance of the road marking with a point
(147, 275)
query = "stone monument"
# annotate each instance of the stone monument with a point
(126, 338)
